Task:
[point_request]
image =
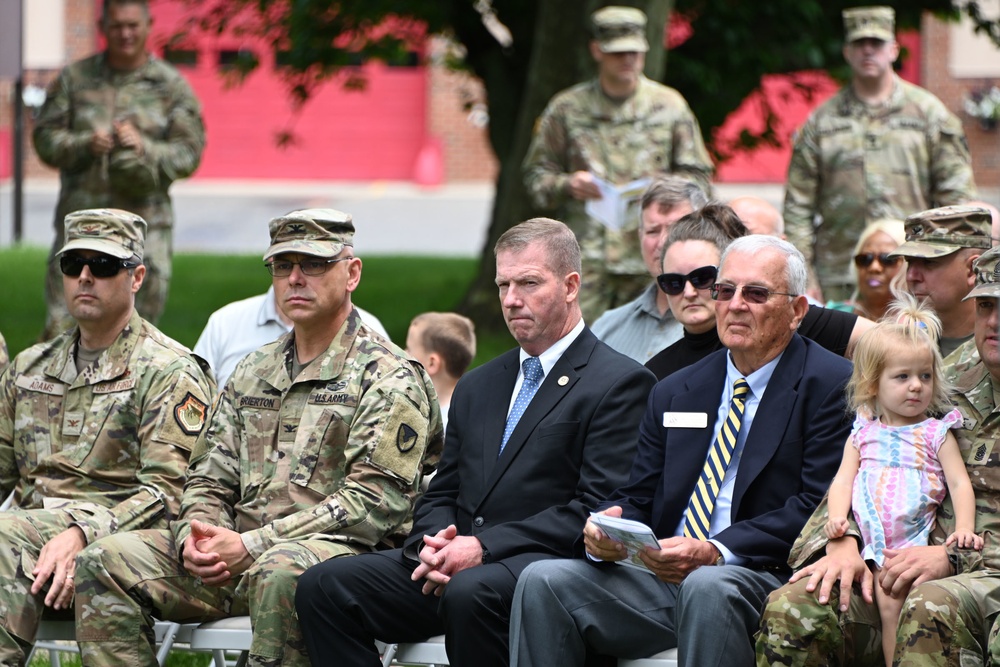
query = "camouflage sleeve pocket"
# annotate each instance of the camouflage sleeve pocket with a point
(404, 439)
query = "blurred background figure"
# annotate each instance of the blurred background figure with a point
(874, 270)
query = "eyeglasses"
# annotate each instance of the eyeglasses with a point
(751, 293)
(865, 259)
(314, 266)
(101, 266)
(700, 278)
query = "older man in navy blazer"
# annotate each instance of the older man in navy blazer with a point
(734, 454)
(517, 479)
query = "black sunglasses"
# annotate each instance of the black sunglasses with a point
(700, 278)
(101, 266)
(865, 259)
(751, 293)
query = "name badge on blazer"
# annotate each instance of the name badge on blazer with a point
(685, 419)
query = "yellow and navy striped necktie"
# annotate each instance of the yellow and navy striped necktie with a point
(699, 512)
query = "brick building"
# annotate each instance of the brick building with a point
(419, 121)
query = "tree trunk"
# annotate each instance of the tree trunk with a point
(559, 59)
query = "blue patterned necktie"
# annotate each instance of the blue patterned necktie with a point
(533, 375)
(698, 517)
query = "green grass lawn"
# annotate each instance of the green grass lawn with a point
(393, 288)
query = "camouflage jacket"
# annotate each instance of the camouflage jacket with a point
(978, 439)
(88, 95)
(582, 129)
(335, 454)
(4, 356)
(853, 164)
(110, 444)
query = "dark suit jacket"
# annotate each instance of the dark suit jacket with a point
(791, 454)
(571, 448)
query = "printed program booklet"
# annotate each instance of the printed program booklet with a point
(633, 534)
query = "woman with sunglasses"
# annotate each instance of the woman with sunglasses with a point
(874, 269)
(690, 260)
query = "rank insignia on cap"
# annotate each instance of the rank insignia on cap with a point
(190, 414)
(406, 438)
(296, 229)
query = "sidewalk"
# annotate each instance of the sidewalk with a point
(391, 217)
(224, 216)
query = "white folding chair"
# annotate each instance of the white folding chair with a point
(430, 652)
(666, 658)
(218, 637)
(60, 637)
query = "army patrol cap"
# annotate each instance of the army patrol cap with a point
(322, 232)
(869, 22)
(111, 231)
(620, 30)
(942, 231)
(987, 268)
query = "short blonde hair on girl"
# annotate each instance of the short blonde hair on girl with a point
(906, 323)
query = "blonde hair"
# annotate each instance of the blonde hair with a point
(907, 323)
(895, 230)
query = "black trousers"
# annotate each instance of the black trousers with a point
(345, 604)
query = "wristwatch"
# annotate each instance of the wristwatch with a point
(721, 560)
(486, 555)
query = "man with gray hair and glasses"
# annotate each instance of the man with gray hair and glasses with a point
(734, 453)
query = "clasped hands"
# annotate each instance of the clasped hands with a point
(215, 554)
(123, 132)
(443, 556)
(676, 558)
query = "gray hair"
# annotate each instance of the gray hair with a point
(670, 191)
(795, 263)
(559, 241)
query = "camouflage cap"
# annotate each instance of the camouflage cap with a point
(987, 268)
(620, 29)
(322, 232)
(942, 231)
(111, 231)
(873, 22)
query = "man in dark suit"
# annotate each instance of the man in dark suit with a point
(734, 453)
(537, 438)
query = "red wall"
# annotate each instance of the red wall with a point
(339, 134)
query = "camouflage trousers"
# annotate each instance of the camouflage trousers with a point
(23, 533)
(149, 301)
(601, 290)
(943, 622)
(126, 580)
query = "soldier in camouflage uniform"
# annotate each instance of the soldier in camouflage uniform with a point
(4, 356)
(945, 620)
(880, 148)
(96, 426)
(619, 127)
(120, 126)
(315, 449)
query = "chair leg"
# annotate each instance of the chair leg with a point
(243, 659)
(389, 654)
(168, 640)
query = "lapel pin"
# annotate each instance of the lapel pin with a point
(563, 381)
